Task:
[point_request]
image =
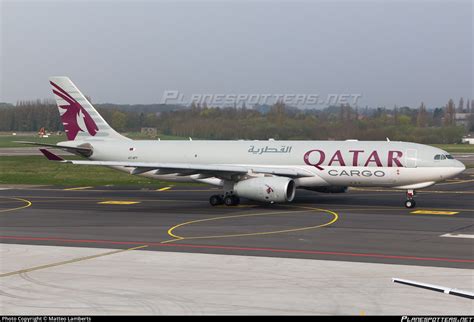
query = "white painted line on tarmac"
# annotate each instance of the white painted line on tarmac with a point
(458, 235)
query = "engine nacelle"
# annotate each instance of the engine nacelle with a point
(267, 189)
(328, 189)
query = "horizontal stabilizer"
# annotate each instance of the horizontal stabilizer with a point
(81, 150)
(51, 156)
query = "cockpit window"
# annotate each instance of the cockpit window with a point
(437, 157)
(449, 156)
(443, 157)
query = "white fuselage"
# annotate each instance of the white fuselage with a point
(330, 163)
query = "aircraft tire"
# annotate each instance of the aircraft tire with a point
(216, 200)
(410, 203)
(231, 201)
(236, 200)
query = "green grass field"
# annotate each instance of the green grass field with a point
(38, 170)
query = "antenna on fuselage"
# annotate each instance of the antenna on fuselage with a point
(388, 140)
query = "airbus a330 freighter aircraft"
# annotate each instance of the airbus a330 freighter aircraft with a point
(268, 171)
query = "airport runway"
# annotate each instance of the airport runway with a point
(363, 225)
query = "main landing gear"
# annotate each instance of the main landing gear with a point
(410, 202)
(228, 200)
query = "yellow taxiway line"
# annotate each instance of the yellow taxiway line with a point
(77, 188)
(75, 260)
(118, 202)
(434, 212)
(177, 237)
(27, 204)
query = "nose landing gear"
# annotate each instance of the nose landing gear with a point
(410, 202)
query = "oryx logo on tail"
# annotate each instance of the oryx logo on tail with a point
(74, 117)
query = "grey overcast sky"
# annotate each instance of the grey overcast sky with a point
(391, 52)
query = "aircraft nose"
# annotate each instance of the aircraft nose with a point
(456, 168)
(460, 166)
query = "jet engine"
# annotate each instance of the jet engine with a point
(328, 189)
(267, 189)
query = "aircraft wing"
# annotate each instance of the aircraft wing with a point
(436, 288)
(215, 170)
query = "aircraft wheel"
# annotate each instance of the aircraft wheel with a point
(215, 200)
(410, 203)
(231, 201)
(236, 200)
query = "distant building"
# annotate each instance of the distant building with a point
(463, 119)
(149, 131)
(468, 140)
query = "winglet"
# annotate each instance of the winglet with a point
(50, 155)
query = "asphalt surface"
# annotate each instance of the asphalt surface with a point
(466, 158)
(363, 225)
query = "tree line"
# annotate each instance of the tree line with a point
(277, 121)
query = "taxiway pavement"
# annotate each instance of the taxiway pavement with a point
(121, 250)
(363, 225)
